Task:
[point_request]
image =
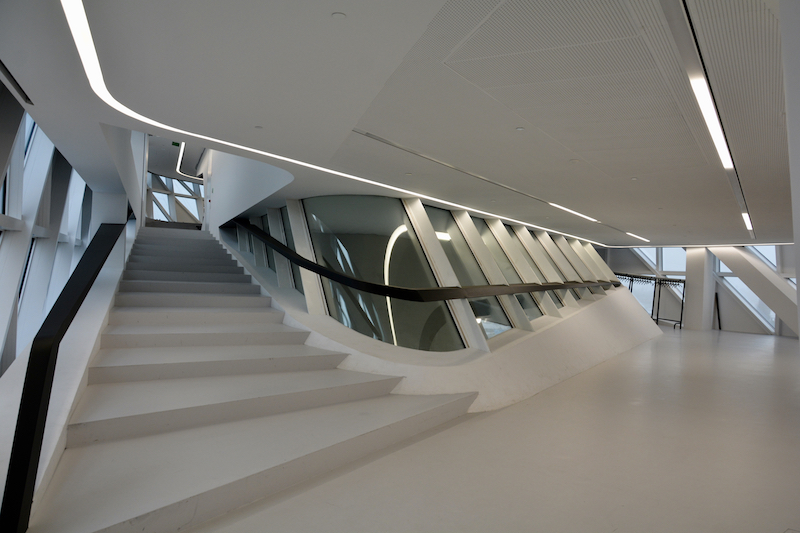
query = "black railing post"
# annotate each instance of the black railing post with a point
(29, 434)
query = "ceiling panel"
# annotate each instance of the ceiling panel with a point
(522, 26)
(595, 59)
(740, 44)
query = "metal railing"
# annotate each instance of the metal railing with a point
(423, 294)
(658, 283)
(29, 434)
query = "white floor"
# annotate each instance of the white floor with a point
(690, 432)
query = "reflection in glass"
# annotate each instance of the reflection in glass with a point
(524, 252)
(371, 238)
(527, 302)
(488, 312)
(287, 231)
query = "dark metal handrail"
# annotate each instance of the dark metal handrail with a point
(27, 446)
(424, 294)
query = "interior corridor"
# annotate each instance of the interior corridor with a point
(693, 431)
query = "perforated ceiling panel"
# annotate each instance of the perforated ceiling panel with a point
(521, 26)
(740, 42)
(455, 20)
(601, 96)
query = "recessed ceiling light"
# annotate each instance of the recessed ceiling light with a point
(408, 174)
(704, 99)
(338, 15)
(573, 161)
(747, 223)
(259, 127)
(520, 128)
(573, 212)
(634, 179)
(636, 236)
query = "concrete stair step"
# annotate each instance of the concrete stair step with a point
(179, 261)
(116, 365)
(188, 316)
(172, 481)
(166, 251)
(164, 275)
(128, 410)
(145, 243)
(125, 336)
(194, 287)
(173, 233)
(165, 299)
(231, 268)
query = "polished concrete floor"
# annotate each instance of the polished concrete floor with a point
(693, 431)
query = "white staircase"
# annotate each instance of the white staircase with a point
(201, 401)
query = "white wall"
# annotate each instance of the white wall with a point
(235, 184)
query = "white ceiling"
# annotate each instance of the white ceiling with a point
(428, 96)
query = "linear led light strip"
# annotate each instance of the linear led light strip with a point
(180, 162)
(680, 25)
(82, 36)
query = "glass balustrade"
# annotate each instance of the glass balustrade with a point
(371, 238)
(527, 302)
(488, 311)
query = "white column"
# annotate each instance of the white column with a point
(790, 45)
(312, 284)
(698, 310)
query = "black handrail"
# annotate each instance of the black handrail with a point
(426, 294)
(27, 446)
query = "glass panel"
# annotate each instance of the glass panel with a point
(202, 194)
(287, 231)
(162, 199)
(371, 238)
(673, 259)
(522, 250)
(158, 214)
(270, 252)
(527, 302)
(190, 205)
(188, 187)
(722, 268)
(649, 253)
(768, 253)
(750, 297)
(488, 311)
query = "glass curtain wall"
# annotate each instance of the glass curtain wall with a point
(488, 311)
(371, 238)
(527, 302)
(518, 244)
